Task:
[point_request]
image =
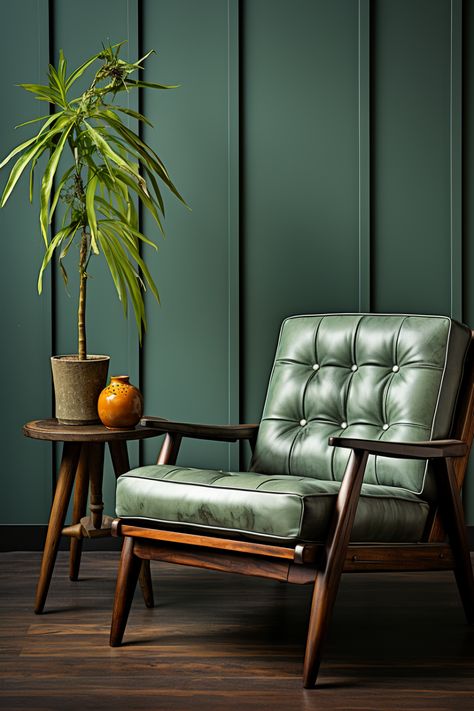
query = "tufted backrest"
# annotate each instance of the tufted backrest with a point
(389, 377)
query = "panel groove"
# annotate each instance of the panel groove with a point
(133, 49)
(456, 159)
(48, 298)
(364, 154)
(233, 232)
(134, 358)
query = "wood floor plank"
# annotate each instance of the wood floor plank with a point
(221, 642)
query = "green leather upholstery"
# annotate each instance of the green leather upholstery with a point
(392, 377)
(283, 507)
(387, 377)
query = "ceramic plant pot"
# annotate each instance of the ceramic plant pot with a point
(120, 403)
(77, 386)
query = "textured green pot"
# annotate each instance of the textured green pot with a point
(77, 386)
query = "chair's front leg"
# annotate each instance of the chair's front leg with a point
(327, 580)
(126, 583)
(121, 463)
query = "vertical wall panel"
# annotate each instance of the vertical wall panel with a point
(411, 156)
(300, 171)
(468, 203)
(26, 317)
(455, 148)
(364, 68)
(186, 359)
(107, 330)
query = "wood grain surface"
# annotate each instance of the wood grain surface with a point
(52, 431)
(216, 641)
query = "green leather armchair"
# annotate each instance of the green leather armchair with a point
(357, 465)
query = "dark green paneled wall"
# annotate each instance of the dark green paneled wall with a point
(25, 318)
(187, 352)
(411, 195)
(335, 174)
(299, 172)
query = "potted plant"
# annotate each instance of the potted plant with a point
(106, 170)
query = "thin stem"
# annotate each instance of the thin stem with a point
(81, 312)
(83, 259)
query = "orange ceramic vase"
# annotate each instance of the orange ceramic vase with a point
(120, 403)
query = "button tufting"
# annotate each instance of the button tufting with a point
(316, 366)
(303, 423)
(395, 369)
(354, 368)
(385, 426)
(343, 425)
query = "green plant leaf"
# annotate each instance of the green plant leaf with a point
(122, 219)
(150, 85)
(62, 67)
(57, 85)
(64, 274)
(156, 189)
(17, 150)
(146, 153)
(145, 199)
(133, 249)
(40, 118)
(19, 167)
(80, 71)
(114, 271)
(43, 92)
(57, 194)
(55, 242)
(47, 181)
(132, 280)
(107, 152)
(67, 246)
(32, 177)
(130, 112)
(37, 145)
(90, 210)
(130, 242)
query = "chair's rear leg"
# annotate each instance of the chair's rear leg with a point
(146, 584)
(453, 520)
(127, 578)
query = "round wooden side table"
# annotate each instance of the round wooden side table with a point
(82, 461)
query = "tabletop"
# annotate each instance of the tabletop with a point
(54, 431)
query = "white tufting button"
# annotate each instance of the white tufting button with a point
(395, 369)
(316, 366)
(303, 423)
(343, 425)
(385, 426)
(354, 368)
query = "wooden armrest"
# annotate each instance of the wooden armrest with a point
(434, 449)
(223, 433)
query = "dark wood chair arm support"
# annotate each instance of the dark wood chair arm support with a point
(434, 449)
(222, 433)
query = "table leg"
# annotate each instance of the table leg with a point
(62, 495)
(81, 489)
(96, 474)
(120, 460)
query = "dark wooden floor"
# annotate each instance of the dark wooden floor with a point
(227, 642)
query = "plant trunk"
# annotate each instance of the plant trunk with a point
(81, 312)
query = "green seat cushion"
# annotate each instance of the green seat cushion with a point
(272, 506)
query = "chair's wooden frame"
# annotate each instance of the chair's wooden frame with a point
(444, 545)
